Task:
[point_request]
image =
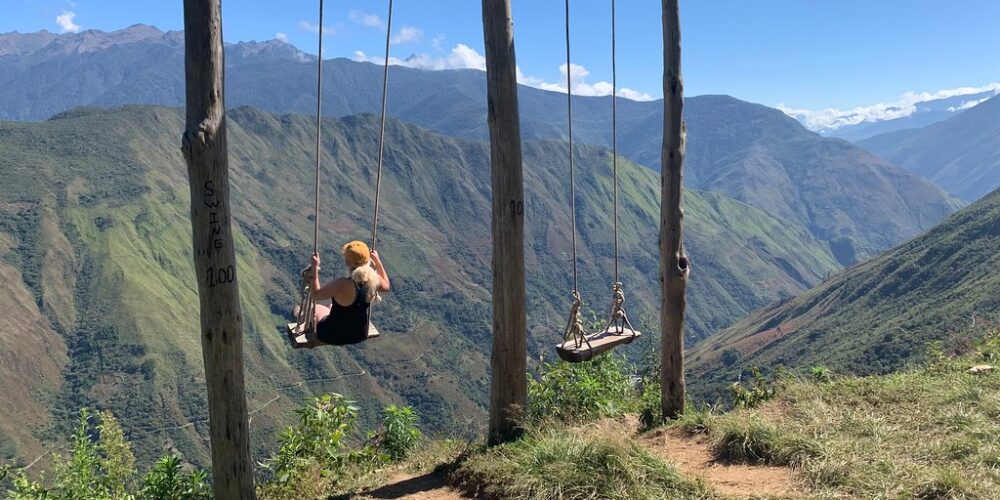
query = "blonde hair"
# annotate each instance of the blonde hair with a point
(366, 276)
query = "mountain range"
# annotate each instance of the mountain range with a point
(95, 252)
(878, 316)
(99, 288)
(922, 114)
(746, 151)
(960, 154)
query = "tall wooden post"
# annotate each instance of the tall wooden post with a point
(204, 147)
(509, 384)
(674, 265)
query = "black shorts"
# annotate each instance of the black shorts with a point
(330, 331)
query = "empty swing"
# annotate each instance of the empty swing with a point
(577, 345)
(303, 332)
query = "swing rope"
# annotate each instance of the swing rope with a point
(617, 318)
(618, 321)
(306, 318)
(574, 325)
(572, 167)
(614, 133)
(381, 133)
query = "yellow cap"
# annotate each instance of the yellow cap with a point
(356, 254)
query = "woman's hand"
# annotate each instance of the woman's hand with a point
(315, 263)
(375, 259)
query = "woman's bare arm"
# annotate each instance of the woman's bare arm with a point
(329, 290)
(383, 285)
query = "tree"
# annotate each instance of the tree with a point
(204, 147)
(674, 265)
(509, 383)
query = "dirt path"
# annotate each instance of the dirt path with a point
(692, 456)
(414, 487)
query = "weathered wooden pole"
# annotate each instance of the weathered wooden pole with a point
(674, 265)
(509, 384)
(204, 147)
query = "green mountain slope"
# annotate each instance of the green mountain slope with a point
(877, 316)
(96, 259)
(961, 154)
(856, 204)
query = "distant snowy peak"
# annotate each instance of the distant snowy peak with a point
(912, 110)
(42, 45)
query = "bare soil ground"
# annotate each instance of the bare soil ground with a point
(414, 487)
(693, 457)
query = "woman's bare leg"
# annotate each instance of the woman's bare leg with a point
(322, 312)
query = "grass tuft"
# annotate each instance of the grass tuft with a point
(579, 464)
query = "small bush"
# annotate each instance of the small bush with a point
(650, 407)
(695, 420)
(820, 374)
(101, 466)
(947, 485)
(317, 440)
(580, 392)
(759, 391)
(560, 464)
(399, 434)
(752, 441)
(166, 481)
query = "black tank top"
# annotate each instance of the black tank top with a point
(346, 325)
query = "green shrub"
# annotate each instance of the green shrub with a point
(759, 391)
(695, 419)
(749, 440)
(317, 440)
(579, 392)
(568, 464)
(166, 481)
(820, 374)
(399, 433)
(101, 466)
(650, 408)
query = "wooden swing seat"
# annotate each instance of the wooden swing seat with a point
(301, 338)
(599, 342)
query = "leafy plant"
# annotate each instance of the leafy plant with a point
(399, 433)
(820, 374)
(759, 391)
(318, 439)
(695, 419)
(166, 481)
(577, 392)
(100, 464)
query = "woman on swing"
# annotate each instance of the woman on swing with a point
(345, 321)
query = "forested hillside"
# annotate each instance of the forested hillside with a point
(856, 203)
(99, 286)
(961, 154)
(878, 316)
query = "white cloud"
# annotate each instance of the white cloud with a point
(578, 81)
(461, 57)
(464, 57)
(365, 19)
(971, 103)
(833, 118)
(283, 37)
(438, 42)
(407, 34)
(65, 22)
(314, 28)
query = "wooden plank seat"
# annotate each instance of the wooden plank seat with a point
(598, 342)
(300, 338)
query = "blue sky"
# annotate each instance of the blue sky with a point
(807, 54)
